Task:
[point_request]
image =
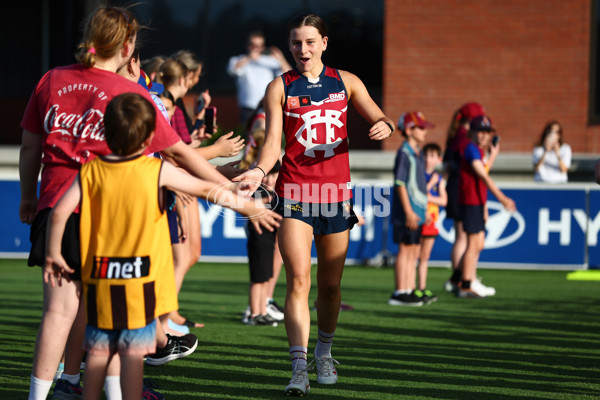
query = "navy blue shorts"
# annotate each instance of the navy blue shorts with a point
(404, 235)
(472, 218)
(172, 217)
(173, 226)
(70, 243)
(325, 218)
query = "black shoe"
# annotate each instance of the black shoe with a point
(405, 299)
(148, 392)
(261, 320)
(177, 347)
(431, 298)
(66, 390)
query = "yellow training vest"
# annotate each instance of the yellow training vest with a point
(126, 257)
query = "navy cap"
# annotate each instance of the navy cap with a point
(481, 123)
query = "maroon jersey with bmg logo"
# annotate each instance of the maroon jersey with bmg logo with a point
(315, 166)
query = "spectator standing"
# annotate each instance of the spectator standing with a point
(122, 302)
(436, 198)
(474, 184)
(108, 43)
(253, 71)
(408, 207)
(456, 142)
(551, 156)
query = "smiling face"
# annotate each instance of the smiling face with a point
(307, 46)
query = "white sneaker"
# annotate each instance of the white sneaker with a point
(299, 385)
(326, 373)
(480, 288)
(274, 312)
(450, 286)
(246, 316)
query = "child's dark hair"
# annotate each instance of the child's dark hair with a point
(128, 121)
(432, 148)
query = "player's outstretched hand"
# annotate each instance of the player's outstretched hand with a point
(248, 182)
(509, 204)
(379, 131)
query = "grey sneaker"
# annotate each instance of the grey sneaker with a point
(299, 385)
(261, 320)
(326, 373)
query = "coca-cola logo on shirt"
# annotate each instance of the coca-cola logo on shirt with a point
(89, 125)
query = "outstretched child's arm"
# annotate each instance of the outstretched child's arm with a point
(507, 202)
(55, 266)
(220, 194)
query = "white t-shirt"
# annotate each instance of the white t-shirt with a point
(549, 170)
(253, 77)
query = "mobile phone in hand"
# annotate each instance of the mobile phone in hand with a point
(495, 140)
(210, 119)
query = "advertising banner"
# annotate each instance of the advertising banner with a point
(555, 227)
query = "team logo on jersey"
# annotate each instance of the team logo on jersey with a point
(307, 134)
(298, 101)
(337, 96)
(120, 267)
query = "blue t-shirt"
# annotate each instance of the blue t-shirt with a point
(409, 171)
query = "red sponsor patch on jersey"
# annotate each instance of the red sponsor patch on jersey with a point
(293, 102)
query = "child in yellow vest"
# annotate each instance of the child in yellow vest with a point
(127, 264)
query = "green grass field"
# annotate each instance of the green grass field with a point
(538, 338)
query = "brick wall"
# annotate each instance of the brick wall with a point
(527, 61)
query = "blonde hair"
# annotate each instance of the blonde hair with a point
(170, 72)
(256, 140)
(106, 31)
(188, 58)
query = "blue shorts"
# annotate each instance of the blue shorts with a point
(404, 235)
(125, 342)
(325, 218)
(472, 218)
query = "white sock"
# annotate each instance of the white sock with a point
(112, 387)
(324, 343)
(397, 292)
(298, 356)
(38, 388)
(72, 379)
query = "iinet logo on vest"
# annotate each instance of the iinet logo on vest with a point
(120, 267)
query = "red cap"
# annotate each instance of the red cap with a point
(413, 118)
(468, 111)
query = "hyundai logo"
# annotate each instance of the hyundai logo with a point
(502, 228)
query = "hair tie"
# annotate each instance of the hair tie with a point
(92, 50)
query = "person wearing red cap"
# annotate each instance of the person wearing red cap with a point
(474, 184)
(409, 206)
(456, 142)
